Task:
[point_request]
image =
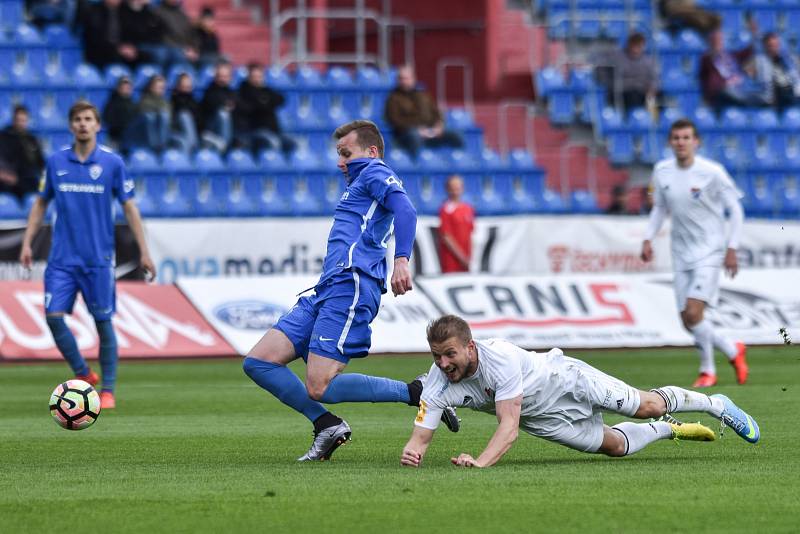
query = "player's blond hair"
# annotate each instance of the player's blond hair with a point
(367, 134)
(83, 105)
(447, 326)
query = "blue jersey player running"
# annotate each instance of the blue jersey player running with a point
(330, 327)
(84, 180)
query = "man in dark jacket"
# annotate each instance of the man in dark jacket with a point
(103, 42)
(255, 119)
(142, 28)
(414, 117)
(120, 116)
(217, 108)
(21, 155)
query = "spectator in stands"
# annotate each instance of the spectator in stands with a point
(206, 35)
(636, 72)
(21, 156)
(185, 113)
(155, 110)
(777, 70)
(101, 27)
(414, 117)
(456, 222)
(145, 31)
(44, 12)
(217, 108)
(726, 77)
(646, 199)
(179, 32)
(256, 119)
(619, 201)
(686, 13)
(120, 115)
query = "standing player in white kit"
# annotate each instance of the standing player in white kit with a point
(697, 192)
(551, 396)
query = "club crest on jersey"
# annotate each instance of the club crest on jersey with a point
(95, 171)
(696, 192)
(489, 392)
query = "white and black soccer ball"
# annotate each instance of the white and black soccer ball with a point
(75, 405)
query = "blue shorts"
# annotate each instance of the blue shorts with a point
(96, 284)
(334, 322)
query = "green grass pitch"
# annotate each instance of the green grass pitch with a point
(196, 447)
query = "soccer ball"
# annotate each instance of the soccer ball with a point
(75, 405)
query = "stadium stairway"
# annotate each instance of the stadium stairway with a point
(243, 36)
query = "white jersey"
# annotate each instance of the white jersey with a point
(696, 199)
(506, 371)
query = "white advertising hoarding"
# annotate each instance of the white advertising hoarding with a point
(501, 245)
(537, 312)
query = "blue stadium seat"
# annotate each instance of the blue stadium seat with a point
(429, 160)
(142, 160)
(789, 197)
(176, 161)
(58, 36)
(236, 202)
(459, 119)
(339, 78)
(239, 160)
(10, 207)
(272, 160)
(705, 121)
(49, 118)
(116, 71)
(177, 70)
(305, 160)
(271, 194)
(308, 78)
(551, 202)
(547, 80)
(493, 194)
(179, 198)
(25, 34)
(207, 161)
(521, 159)
(690, 41)
(399, 160)
(561, 106)
(464, 161)
(87, 77)
(526, 190)
(427, 192)
(278, 79)
(11, 14)
(305, 197)
(370, 78)
(582, 201)
(491, 160)
(759, 199)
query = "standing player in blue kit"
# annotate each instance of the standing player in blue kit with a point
(84, 180)
(332, 326)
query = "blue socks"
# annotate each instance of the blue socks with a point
(66, 343)
(108, 353)
(285, 385)
(354, 387)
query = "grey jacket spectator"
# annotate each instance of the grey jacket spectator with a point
(777, 71)
(179, 31)
(631, 72)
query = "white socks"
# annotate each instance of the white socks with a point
(724, 344)
(704, 341)
(640, 435)
(684, 400)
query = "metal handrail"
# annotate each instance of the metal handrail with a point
(441, 81)
(502, 125)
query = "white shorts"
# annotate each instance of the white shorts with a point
(701, 283)
(574, 418)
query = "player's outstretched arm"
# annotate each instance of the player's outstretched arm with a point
(35, 218)
(134, 219)
(416, 447)
(503, 438)
(405, 224)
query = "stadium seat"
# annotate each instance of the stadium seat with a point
(459, 119)
(57, 36)
(272, 160)
(10, 207)
(521, 159)
(308, 78)
(552, 202)
(235, 200)
(789, 197)
(369, 78)
(142, 160)
(304, 200)
(114, 72)
(464, 161)
(239, 160)
(25, 34)
(177, 70)
(87, 77)
(582, 201)
(272, 194)
(278, 79)
(339, 78)
(304, 160)
(208, 161)
(491, 160)
(493, 194)
(399, 160)
(429, 160)
(176, 161)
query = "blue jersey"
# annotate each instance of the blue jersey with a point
(84, 193)
(362, 224)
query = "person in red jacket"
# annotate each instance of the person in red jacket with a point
(457, 220)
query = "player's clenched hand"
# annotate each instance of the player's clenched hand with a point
(731, 263)
(410, 458)
(401, 277)
(465, 460)
(149, 267)
(26, 256)
(647, 251)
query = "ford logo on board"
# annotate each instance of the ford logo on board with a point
(249, 314)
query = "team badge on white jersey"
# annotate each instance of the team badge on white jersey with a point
(95, 171)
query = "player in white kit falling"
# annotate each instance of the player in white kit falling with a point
(551, 396)
(697, 192)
